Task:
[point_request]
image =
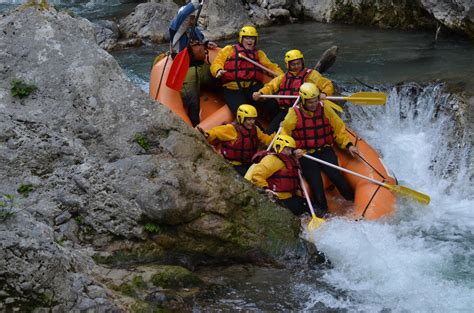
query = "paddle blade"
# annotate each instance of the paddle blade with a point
(178, 70)
(408, 192)
(315, 223)
(370, 98)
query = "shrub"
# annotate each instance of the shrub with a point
(142, 141)
(21, 89)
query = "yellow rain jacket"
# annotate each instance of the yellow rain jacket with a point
(226, 52)
(263, 170)
(338, 126)
(229, 133)
(323, 84)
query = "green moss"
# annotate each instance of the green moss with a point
(7, 211)
(141, 307)
(25, 189)
(41, 5)
(138, 282)
(21, 89)
(344, 12)
(152, 228)
(142, 253)
(142, 141)
(170, 276)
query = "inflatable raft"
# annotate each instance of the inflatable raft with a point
(371, 202)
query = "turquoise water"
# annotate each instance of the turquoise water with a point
(383, 57)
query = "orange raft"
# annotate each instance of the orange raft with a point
(371, 201)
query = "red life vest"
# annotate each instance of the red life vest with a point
(244, 147)
(290, 85)
(285, 179)
(240, 70)
(312, 132)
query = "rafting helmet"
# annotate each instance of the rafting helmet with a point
(248, 31)
(283, 141)
(245, 110)
(293, 55)
(308, 91)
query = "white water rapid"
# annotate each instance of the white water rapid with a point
(422, 259)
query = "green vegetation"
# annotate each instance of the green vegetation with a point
(130, 288)
(25, 189)
(138, 282)
(171, 276)
(79, 220)
(152, 228)
(6, 207)
(142, 142)
(41, 5)
(21, 89)
(143, 253)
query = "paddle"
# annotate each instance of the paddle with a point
(402, 190)
(181, 62)
(315, 221)
(179, 69)
(280, 128)
(360, 98)
(266, 69)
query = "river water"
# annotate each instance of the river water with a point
(422, 259)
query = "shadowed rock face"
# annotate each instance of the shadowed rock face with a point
(221, 19)
(102, 160)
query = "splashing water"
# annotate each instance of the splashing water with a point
(422, 259)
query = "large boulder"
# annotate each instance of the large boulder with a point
(149, 21)
(457, 15)
(384, 13)
(92, 169)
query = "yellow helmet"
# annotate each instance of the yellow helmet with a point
(247, 31)
(293, 55)
(283, 141)
(245, 110)
(308, 91)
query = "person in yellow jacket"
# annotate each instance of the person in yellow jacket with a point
(289, 84)
(277, 173)
(316, 127)
(239, 77)
(240, 139)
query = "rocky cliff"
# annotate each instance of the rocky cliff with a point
(222, 19)
(97, 179)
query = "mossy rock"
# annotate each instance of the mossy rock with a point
(134, 254)
(170, 276)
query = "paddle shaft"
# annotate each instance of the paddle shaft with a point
(346, 170)
(368, 98)
(280, 128)
(161, 78)
(266, 69)
(327, 97)
(198, 13)
(306, 195)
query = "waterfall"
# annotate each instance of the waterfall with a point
(421, 260)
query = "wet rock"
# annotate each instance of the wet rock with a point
(106, 34)
(149, 21)
(456, 15)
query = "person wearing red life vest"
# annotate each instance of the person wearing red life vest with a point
(239, 77)
(240, 139)
(289, 84)
(277, 173)
(316, 128)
